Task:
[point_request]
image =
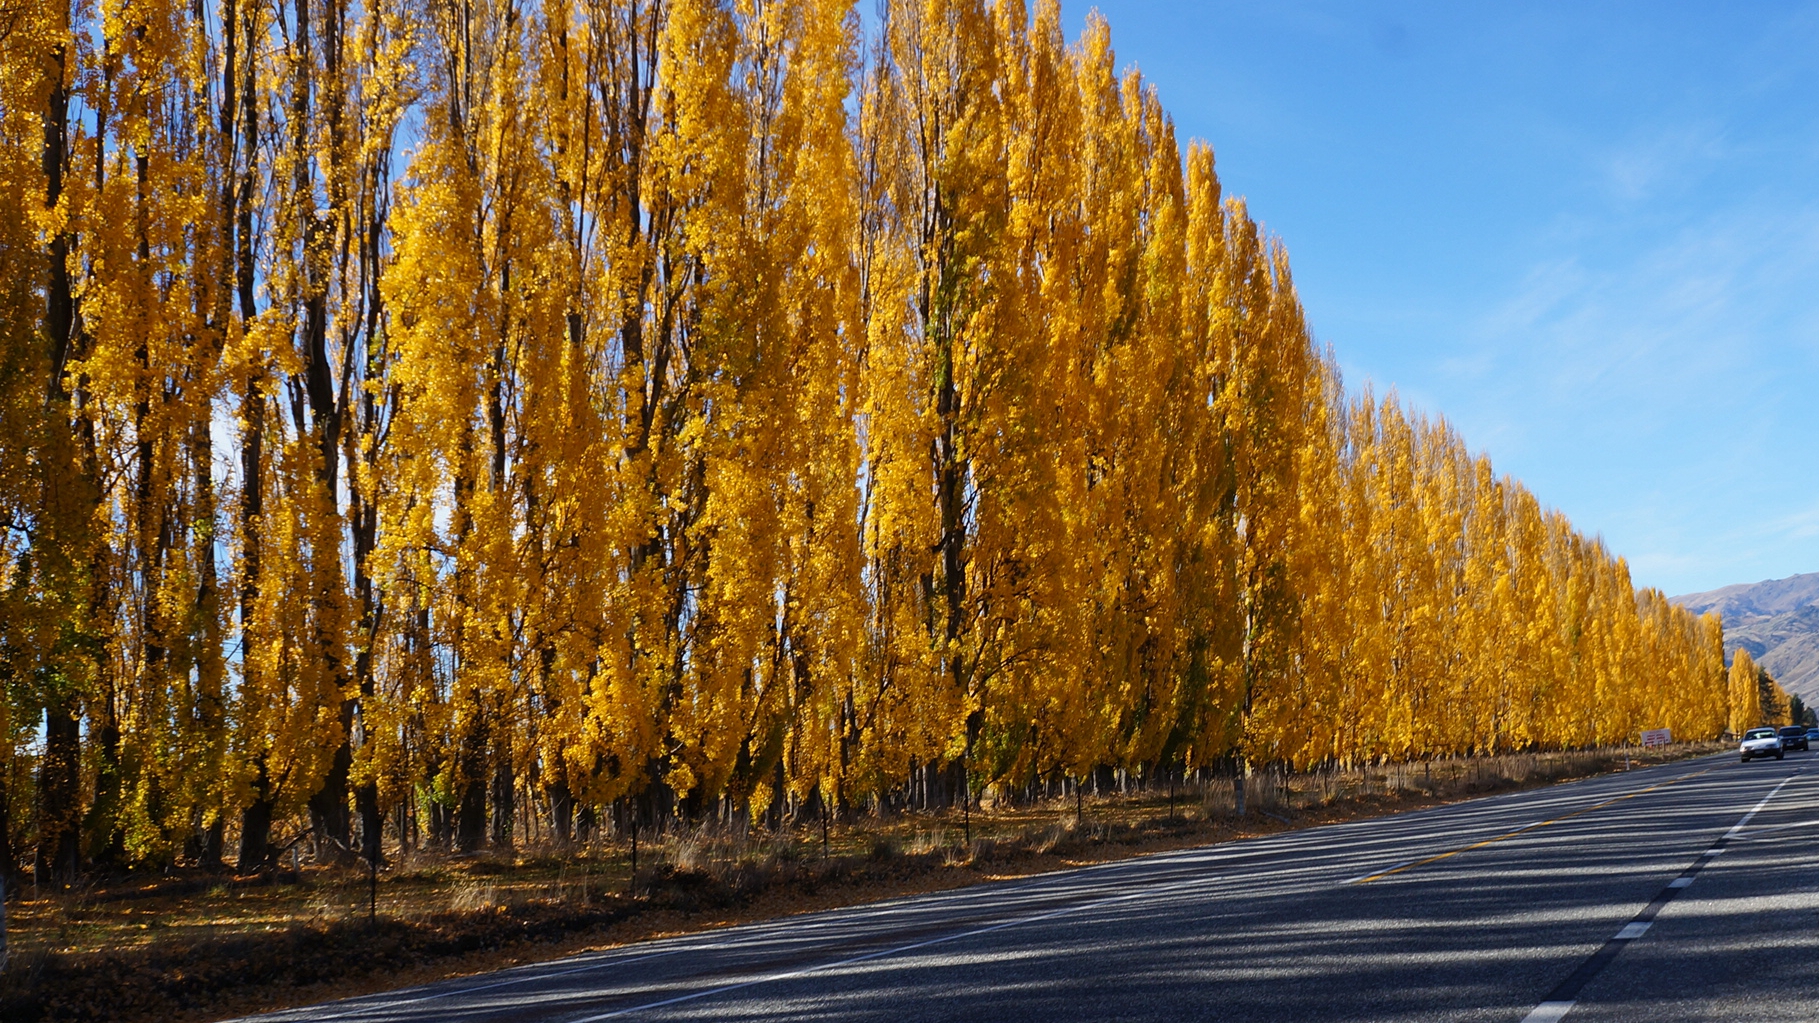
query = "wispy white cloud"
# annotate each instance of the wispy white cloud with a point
(1662, 394)
(1587, 234)
(1669, 158)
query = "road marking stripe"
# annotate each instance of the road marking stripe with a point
(348, 1008)
(1781, 827)
(1411, 865)
(1548, 1012)
(1566, 993)
(1378, 873)
(626, 955)
(1754, 810)
(882, 953)
(528, 974)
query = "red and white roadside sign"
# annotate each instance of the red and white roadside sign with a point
(1657, 737)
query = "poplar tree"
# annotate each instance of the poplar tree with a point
(1746, 694)
(446, 418)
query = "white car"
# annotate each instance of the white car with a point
(1761, 742)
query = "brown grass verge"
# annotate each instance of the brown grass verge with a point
(189, 947)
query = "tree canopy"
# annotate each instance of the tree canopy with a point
(463, 410)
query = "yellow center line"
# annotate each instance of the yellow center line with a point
(1539, 824)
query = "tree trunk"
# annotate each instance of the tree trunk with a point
(505, 802)
(562, 812)
(363, 516)
(213, 842)
(439, 835)
(372, 823)
(328, 808)
(59, 781)
(256, 831)
(106, 838)
(471, 781)
(60, 790)
(7, 860)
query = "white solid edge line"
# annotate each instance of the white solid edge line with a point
(1532, 825)
(529, 976)
(1552, 1012)
(1547, 1012)
(1780, 827)
(620, 957)
(881, 953)
(1754, 810)
(533, 974)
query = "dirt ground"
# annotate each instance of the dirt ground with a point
(187, 947)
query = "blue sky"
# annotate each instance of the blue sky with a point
(1587, 233)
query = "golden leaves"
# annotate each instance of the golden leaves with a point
(722, 405)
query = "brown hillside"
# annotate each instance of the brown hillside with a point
(1776, 620)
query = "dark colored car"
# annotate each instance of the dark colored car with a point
(1812, 735)
(1794, 737)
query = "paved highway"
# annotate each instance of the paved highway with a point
(1686, 891)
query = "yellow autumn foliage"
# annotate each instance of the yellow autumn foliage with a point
(453, 419)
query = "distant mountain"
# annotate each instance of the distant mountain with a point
(1777, 621)
(1746, 602)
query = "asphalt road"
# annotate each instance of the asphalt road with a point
(1688, 891)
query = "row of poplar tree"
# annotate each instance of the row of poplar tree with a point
(483, 411)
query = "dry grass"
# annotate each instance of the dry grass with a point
(191, 947)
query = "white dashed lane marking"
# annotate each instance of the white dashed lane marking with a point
(1548, 1012)
(1562, 999)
